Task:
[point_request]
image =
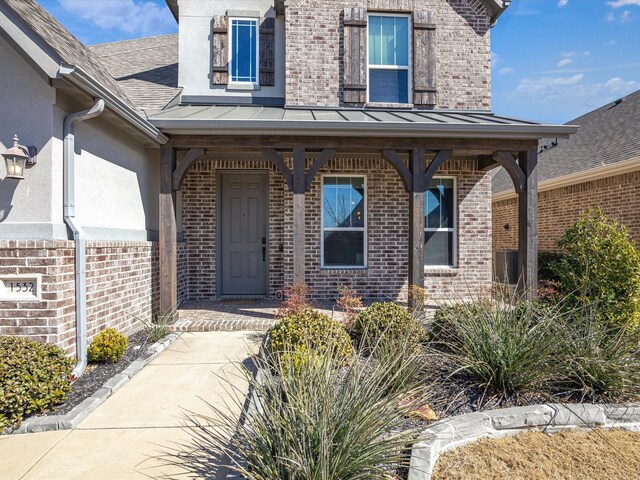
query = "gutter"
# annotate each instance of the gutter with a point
(610, 170)
(79, 237)
(86, 82)
(356, 129)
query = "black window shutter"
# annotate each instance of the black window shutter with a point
(220, 40)
(424, 59)
(267, 52)
(355, 56)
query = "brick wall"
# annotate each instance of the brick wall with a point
(314, 50)
(387, 229)
(122, 285)
(617, 196)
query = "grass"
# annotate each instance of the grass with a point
(569, 455)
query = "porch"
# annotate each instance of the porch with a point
(413, 146)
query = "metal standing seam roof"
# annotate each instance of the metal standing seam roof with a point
(607, 135)
(253, 119)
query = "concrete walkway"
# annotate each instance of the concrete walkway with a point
(125, 437)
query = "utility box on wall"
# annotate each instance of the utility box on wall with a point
(505, 269)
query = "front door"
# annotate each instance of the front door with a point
(243, 234)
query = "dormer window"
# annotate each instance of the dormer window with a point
(243, 51)
(389, 76)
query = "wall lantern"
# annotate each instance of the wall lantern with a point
(17, 158)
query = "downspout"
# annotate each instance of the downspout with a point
(68, 158)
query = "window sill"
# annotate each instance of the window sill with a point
(403, 106)
(443, 270)
(243, 87)
(344, 270)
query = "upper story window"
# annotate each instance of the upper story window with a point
(243, 50)
(389, 54)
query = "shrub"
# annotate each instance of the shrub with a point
(386, 321)
(160, 326)
(547, 265)
(295, 334)
(326, 421)
(599, 363)
(108, 346)
(34, 377)
(507, 346)
(349, 302)
(601, 269)
(296, 301)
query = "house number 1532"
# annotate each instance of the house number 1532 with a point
(17, 287)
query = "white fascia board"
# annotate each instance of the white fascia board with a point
(611, 170)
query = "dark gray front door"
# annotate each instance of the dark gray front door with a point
(243, 236)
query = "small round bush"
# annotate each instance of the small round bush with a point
(389, 321)
(34, 377)
(108, 346)
(296, 334)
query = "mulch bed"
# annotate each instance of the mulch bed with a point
(96, 375)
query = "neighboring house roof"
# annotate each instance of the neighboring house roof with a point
(607, 136)
(145, 68)
(237, 120)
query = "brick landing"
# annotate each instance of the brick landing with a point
(232, 315)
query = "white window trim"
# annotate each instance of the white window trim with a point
(454, 229)
(244, 85)
(343, 229)
(408, 68)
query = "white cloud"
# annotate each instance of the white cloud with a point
(564, 62)
(623, 3)
(506, 71)
(562, 3)
(610, 43)
(130, 16)
(554, 98)
(495, 59)
(625, 16)
(611, 17)
(586, 53)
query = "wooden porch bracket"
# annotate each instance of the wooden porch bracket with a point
(398, 165)
(507, 161)
(486, 163)
(187, 162)
(270, 155)
(168, 234)
(441, 157)
(326, 155)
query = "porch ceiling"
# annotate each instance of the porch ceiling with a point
(260, 120)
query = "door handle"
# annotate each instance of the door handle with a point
(264, 254)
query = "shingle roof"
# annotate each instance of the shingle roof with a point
(70, 50)
(145, 68)
(607, 135)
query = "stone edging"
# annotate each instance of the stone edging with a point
(457, 431)
(88, 405)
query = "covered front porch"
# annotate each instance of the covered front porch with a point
(397, 154)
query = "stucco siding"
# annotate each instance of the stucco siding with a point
(27, 105)
(195, 27)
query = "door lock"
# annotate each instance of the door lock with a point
(264, 254)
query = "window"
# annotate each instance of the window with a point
(243, 51)
(343, 222)
(440, 223)
(389, 58)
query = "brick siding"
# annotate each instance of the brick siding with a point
(315, 49)
(617, 196)
(387, 230)
(122, 286)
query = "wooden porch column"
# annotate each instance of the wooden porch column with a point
(168, 232)
(299, 178)
(416, 218)
(528, 224)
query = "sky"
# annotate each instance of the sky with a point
(552, 60)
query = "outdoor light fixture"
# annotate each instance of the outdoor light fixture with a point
(17, 158)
